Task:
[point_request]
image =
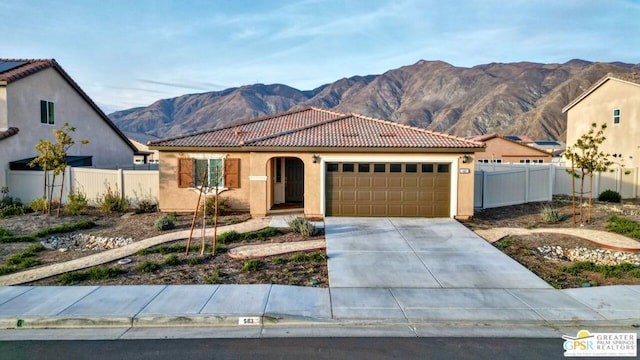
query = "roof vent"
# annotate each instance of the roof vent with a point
(237, 131)
(387, 135)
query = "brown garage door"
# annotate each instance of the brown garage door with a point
(388, 189)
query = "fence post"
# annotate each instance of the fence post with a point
(552, 180)
(121, 182)
(484, 186)
(527, 174)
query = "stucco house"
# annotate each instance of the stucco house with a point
(614, 100)
(502, 149)
(325, 163)
(38, 95)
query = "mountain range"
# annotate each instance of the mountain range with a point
(521, 98)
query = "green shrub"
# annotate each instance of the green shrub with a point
(229, 237)
(146, 207)
(550, 215)
(279, 260)
(39, 204)
(262, 234)
(147, 267)
(623, 226)
(610, 196)
(213, 278)
(112, 201)
(302, 225)
(4, 233)
(104, 272)
(24, 259)
(172, 260)
(195, 261)
(73, 277)
(252, 265)
(299, 258)
(76, 203)
(65, 228)
(635, 273)
(173, 216)
(164, 223)
(318, 256)
(503, 244)
(209, 206)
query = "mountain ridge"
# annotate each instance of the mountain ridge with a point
(523, 98)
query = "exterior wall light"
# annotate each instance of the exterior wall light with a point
(316, 159)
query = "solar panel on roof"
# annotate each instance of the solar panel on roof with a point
(513, 137)
(552, 143)
(8, 65)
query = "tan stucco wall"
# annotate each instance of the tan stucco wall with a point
(598, 108)
(256, 185)
(510, 152)
(23, 111)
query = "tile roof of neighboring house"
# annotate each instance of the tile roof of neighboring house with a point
(9, 132)
(526, 142)
(32, 66)
(314, 127)
(633, 78)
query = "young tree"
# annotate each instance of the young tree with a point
(53, 156)
(585, 155)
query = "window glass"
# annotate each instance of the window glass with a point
(215, 172)
(616, 116)
(411, 168)
(278, 170)
(427, 168)
(363, 168)
(347, 167)
(332, 167)
(201, 171)
(395, 168)
(47, 112)
(379, 168)
(443, 168)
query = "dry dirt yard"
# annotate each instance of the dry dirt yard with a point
(173, 266)
(524, 249)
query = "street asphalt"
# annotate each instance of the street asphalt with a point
(388, 277)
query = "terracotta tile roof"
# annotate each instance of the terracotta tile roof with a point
(9, 132)
(32, 66)
(29, 67)
(315, 127)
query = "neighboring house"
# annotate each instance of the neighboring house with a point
(501, 149)
(37, 96)
(144, 155)
(551, 146)
(613, 100)
(324, 162)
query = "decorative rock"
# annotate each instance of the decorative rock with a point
(597, 256)
(83, 242)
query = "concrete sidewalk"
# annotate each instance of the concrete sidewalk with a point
(239, 306)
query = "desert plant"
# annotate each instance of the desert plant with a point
(148, 266)
(301, 225)
(4, 233)
(229, 237)
(171, 260)
(213, 278)
(635, 273)
(112, 201)
(610, 196)
(146, 206)
(195, 261)
(164, 223)
(76, 203)
(279, 260)
(39, 204)
(252, 265)
(210, 206)
(550, 215)
(623, 226)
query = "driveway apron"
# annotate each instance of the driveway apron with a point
(417, 253)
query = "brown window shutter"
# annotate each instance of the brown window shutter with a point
(185, 172)
(232, 173)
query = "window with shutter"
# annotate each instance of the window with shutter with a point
(232, 173)
(185, 172)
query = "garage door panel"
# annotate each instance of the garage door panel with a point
(424, 194)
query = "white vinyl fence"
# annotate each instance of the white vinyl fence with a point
(136, 185)
(509, 184)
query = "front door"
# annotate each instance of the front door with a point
(294, 180)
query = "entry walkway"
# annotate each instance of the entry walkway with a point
(418, 253)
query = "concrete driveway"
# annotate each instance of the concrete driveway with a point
(418, 253)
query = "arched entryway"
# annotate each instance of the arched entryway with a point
(288, 185)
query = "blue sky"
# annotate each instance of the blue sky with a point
(134, 52)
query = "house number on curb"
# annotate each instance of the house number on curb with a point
(255, 320)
